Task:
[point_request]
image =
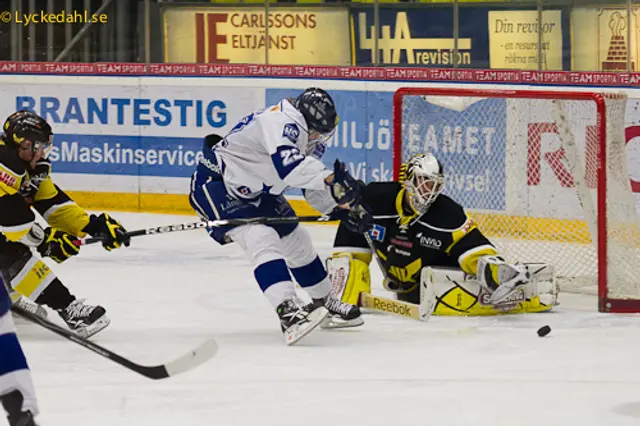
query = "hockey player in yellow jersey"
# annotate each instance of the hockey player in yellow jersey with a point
(423, 237)
(25, 183)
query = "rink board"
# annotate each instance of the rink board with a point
(131, 142)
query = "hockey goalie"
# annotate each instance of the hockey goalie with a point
(426, 243)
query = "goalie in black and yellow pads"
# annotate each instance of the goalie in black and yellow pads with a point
(426, 240)
(25, 183)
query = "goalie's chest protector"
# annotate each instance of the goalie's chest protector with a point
(428, 241)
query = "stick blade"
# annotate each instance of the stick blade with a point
(193, 359)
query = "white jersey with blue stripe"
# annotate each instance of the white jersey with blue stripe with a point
(265, 153)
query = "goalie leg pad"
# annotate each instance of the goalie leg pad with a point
(349, 277)
(460, 294)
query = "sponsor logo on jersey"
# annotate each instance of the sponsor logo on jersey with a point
(467, 226)
(291, 132)
(209, 165)
(7, 178)
(429, 242)
(402, 243)
(377, 232)
(244, 190)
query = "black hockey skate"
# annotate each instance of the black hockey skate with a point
(341, 314)
(297, 321)
(12, 403)
(84, 320)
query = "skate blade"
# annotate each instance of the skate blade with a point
(298, 331)
(331, 322)
(93, 329)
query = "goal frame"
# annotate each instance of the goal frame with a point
(605, 304)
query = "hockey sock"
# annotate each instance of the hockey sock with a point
(56, 296)
(275, 281)
(313, 278)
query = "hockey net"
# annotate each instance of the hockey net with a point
(543, 173)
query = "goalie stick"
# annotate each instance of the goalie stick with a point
(189, 361)
(427, 295)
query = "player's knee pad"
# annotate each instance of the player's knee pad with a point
(260, 242)
(349, 277)
(298, 248)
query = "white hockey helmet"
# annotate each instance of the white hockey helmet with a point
(423, 179)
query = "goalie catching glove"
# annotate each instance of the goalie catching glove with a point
(108, 229)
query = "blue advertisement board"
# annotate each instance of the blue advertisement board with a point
(125, 155)
(471, 147)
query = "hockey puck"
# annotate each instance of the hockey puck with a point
(544, 330)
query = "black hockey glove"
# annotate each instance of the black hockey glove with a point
(358, 219)
(344, 188)
(58, 245)
(111, 232)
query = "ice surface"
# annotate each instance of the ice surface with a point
(166, 294)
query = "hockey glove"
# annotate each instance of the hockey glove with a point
(359, 219)
(344, 188)
(111, 232)
(58, 245)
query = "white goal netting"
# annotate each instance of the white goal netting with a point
(526, 167)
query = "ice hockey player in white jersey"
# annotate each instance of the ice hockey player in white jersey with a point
(244, 175)
(16, 388)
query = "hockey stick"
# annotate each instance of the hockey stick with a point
(189, 226)
(390, 306)
(187, 362)
(427, 296)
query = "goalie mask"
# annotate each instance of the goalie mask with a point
(423, 180)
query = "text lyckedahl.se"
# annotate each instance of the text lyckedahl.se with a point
(62, 17)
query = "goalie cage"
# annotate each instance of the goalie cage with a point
(544, 174)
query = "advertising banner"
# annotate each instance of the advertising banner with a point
(470, 145)
(313, 36)
(142, 135)
(131, 130)
(513, 39)
(422, 37)
(488, 38)
(604, 39)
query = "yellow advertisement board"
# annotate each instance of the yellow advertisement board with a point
(513, 40)
(295, 36)
(605, 39)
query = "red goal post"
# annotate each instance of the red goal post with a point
(544, 174)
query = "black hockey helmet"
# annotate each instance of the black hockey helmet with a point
(26, 125)
(318, 109)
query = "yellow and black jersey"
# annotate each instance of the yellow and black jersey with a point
(22, 188)
(444, 236)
